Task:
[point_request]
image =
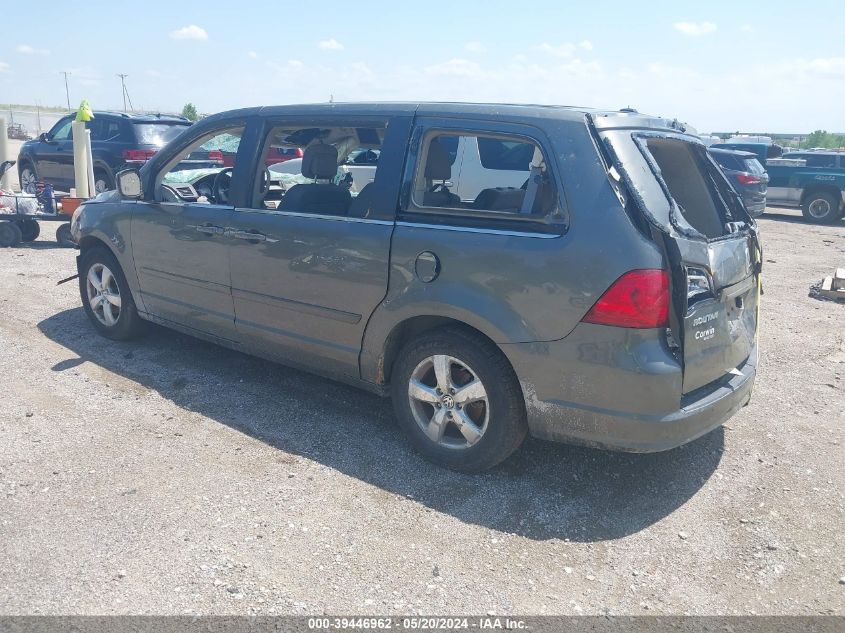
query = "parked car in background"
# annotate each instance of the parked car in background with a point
(595, 281)
(118, 140)
(18, 132)
(747, 176)
(814, 181)
(763, 151)
(821, 159)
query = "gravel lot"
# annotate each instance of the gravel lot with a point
(171, 476)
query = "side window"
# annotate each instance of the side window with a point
(109, 130)
(499, 174)
(62, 130)
(821, 160)
(202, 173)
(330, 174)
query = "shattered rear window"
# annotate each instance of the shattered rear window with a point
(686, 177)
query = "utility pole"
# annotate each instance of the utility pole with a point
(123, 77)
(67, 92)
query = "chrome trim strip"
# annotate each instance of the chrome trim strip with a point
(469, 229)
(316, 216)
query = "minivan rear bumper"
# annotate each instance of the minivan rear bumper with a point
(630, 400)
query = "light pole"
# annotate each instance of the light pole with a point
(123, 87)
(67, 92)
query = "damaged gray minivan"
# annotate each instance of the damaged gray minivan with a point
(610, 299)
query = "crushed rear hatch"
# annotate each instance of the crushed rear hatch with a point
(710, 242)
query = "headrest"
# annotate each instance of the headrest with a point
(437, 165)
(319, 161)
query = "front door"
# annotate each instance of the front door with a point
(53, 155)
(307, 276)
(180, 243)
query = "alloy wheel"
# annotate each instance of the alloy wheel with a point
(103, 294)
(28, 181)
(819, 208)
(449, 402)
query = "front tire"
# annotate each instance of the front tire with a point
(106, 297)
(458, 400)
(821, 208)
(28, 178)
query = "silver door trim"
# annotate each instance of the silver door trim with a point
(316, 216)
(472, 229)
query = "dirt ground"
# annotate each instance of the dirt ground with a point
(171, 476)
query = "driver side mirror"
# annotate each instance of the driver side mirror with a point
(44, 137)
(129, 184)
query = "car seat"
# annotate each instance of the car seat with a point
(319, 162)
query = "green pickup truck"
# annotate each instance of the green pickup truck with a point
(812, 180)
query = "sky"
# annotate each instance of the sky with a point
(754, 66)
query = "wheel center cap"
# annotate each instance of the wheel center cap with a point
(448, 401)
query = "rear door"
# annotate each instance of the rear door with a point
(710, 242)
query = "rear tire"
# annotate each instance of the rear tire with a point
(30, 230)
(64, 237)
(458, 400)
(821, 208)
(106, 297)
(102, 181)
(10, 234)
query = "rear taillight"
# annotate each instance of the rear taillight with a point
(138, 155)
(638, 299)
(748, 179)
(298, 153)
(216, 155)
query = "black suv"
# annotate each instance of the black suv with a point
(118, 140)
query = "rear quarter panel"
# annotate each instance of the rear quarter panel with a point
(515, 287)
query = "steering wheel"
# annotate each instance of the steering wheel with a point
(220, 188)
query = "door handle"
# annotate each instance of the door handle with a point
(210, 230)
(248, 235)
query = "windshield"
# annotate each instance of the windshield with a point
(158, 133)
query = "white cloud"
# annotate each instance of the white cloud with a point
(587, 45)
(330, 45)
(152, 72)
(361, 68)
(694, 29)
(668, 70)
(557, 50)
(4, 67)
(475, 47)
(86, 76)
(833, 67)
(455, 67)
(748, 28)
(190, 32)
(252, 55)
(26, 49)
